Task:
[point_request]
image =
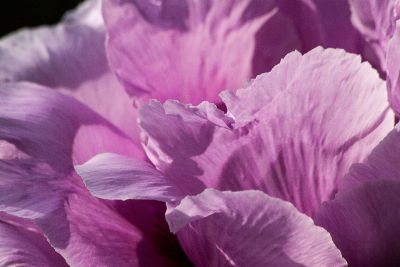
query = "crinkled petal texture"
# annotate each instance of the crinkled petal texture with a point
(70, 57)
(185, 50)
(363, 218)
(292, 133)
(249, 228)
(41, 130)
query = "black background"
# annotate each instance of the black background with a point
(15, 14)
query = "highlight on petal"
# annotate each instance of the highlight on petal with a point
(393, 69)
(49, 126)
(364, 223)
(71, 58)
(292, 133)
(112, 176)
(249, 228)
(23, 247)
(185, 50)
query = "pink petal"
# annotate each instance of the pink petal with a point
(363, 218)
(381, 164)
(249, 228)
(393, 69)
(83, 229)
(292, 133)
(22, 247)
(375, 19)
(295, 26)
(70, 57)
(186, 50)
(364, 223)
(110, 176)
(55, 128)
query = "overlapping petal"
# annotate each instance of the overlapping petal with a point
(277, 135)
(70, 57)
(363, 218)
(37, 181)
(65, 212)
(364, 222)
(114, 177)
(50, 126)
(249, 228)
(23, 247)
(376, 19)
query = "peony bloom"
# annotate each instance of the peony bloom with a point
(297, 168)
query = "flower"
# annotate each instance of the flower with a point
(293, 172)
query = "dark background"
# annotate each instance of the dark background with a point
(15, 14)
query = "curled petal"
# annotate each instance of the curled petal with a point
(292, 133)
(249, 228)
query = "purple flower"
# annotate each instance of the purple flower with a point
(297, 168)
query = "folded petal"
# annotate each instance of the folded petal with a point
(22, 247)
(55, 128)
(70, 57)
(364, 223)
(186, 50)
(292, 133)
(114, 177)
(249, 228)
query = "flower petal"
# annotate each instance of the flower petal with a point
(375, 19)
(83, 229)
(381, 164)
(364, 223)
(363, 218)
(292, 133)
(111, 176)
(186, 50)
(70, 57)
(393, 69)
(249, 228)
(50, 126)
(22, 247)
